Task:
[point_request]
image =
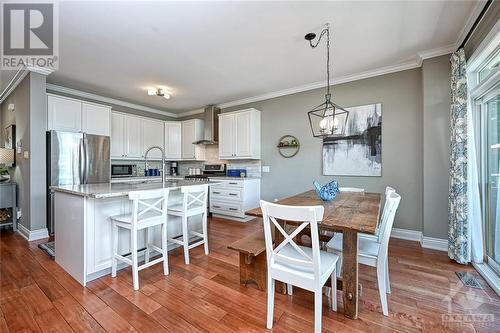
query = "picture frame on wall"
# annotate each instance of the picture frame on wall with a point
(10, 137)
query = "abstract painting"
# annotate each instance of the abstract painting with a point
(359, 151)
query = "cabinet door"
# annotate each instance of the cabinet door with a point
(64, 114)
(226, 136)
(133, 137)
(152, 135)
(173, 138)
(117, 135)
(188, 137)
(243, 132)
(95, 119)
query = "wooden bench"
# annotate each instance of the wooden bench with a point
(253, 265)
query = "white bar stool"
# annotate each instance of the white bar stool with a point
(152, 215)
(194, 203)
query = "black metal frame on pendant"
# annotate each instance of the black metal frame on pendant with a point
(322, 110)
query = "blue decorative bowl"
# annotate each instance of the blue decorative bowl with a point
(327, 192)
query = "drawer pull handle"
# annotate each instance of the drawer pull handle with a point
(232, 209)
(215, 192)
(233, 183)
(233, 193)
(215, 206)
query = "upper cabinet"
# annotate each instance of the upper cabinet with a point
(72, 115)
(239, 135)
(126, 136)
(152, 135)
(173, 140)
(192, 130)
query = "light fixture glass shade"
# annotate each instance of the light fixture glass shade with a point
(328, 119)
(152, 91)
(6, 156)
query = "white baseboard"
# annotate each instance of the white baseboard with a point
(417, 236)
(435, 243)
(32, 235)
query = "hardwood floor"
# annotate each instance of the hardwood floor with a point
(36, 295)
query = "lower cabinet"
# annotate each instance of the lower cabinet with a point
(232, 198)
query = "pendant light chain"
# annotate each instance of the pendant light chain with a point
(327, 32)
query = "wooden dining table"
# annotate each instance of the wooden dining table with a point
(349, 213)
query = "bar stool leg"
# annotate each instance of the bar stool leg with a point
(135, 268)
(205, 232)
(164, 248)
(114, 240)
(146, 254)
(185, 238)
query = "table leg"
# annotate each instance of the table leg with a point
(350, 273)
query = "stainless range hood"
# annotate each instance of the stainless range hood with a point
(211, 136)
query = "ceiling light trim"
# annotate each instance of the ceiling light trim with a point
(79, 93)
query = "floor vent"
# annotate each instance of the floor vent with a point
(469, 280)
(48, 248)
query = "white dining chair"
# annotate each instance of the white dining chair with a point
(149, 209)
(351, 189)
(194, 202)
(304, 267)
(374, 252)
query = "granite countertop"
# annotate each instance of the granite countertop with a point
(143, 178)
(111, 190)
(232, 178)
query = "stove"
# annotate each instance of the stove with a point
(209, 170)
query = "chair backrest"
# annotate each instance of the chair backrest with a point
(388, 191)
(194, 196)
(351, 189)
(146, 209)
(390, 208)
(308, 215)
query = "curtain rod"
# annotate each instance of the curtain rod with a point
(476, 23)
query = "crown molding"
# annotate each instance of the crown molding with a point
(83, 94)
(40, 70)
(190, 113)
(13, 83)
(421, 56)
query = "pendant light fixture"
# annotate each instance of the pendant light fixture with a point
(327, 119)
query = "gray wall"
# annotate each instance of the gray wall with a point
(401, 97)
(436, 136)
(30, 120)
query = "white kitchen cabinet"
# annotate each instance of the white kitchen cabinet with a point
(152, 135)
(192, 130)
(239, 135)
(126, 136)
(231, 198)
(64, 114)
(96, 119)
(72, 115)
(173, 140)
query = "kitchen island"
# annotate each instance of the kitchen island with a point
(83, 227)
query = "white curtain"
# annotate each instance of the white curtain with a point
(473, 196)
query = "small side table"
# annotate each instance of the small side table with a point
(8, 200)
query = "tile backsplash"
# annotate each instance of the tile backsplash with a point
(253, 167)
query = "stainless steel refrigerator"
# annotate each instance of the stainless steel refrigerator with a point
(74, 159)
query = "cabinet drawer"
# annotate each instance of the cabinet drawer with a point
(226, 208)
(228, 183)
(223, 194)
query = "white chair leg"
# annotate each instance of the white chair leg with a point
(387, 282)
(333, 291)
(270, 303)
(185, 239)
(381, 269)
(339, 267)
(205, 232)
(318, 307)
(135, 265)
(289, 289)
(146, 254)
(164, 247)
(114, 240)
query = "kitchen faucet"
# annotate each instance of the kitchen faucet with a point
(162, 161)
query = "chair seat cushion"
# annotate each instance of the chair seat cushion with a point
(367, 246)
(327, 260)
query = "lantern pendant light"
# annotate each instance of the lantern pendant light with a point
(327, 119)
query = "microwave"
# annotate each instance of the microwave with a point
(123, 170)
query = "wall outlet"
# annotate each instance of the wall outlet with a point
(19, 213)
(26, 154)
(266, 168)
(275, 200)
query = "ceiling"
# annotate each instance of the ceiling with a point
(217, 52)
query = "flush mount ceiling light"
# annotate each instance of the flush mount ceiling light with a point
(327, 119)
(159, 92)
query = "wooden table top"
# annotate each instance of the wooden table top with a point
(348, 211)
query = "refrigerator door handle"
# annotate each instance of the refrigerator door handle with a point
(81, 158)
(86, 159)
